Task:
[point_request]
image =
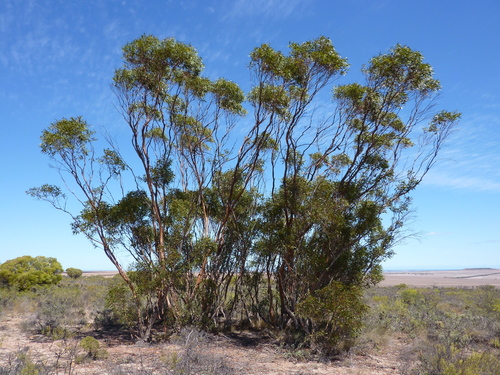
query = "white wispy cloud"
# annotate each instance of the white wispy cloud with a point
(266, 8)
(463, 182)
(38, 41)
(471, 159)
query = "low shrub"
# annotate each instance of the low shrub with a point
(336, 317)
(22, 363)
(450, 360)
(59, 309)
(412, 296)
(74, 273)
(119, 309)
(93, 348)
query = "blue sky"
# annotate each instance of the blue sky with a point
(58, 57)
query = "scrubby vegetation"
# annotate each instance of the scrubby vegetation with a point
(449, 331)
(445, 331)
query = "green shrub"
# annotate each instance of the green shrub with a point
(92, 291)
(93, 348)
(23, 364)
(411, 296)
(26, 272)
(74, 273)
(119, 308)
(449, 360)
(59, 311)
(449, 330)
(336, 315)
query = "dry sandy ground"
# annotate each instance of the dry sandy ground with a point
(241, 356)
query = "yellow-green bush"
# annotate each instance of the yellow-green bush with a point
(25, 272)
(120, 309)
(449, 360)
(93, 348)
(336, 315)
(411, 296)
(74, 273)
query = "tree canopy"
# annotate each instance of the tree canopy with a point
(74, 273)
(26, 272)
(267, 213)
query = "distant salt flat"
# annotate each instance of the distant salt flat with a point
(457, 278)
(100, 273)
(472, 277)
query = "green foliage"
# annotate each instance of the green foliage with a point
(451, 330)
(336, 314)
(74, 273)
(411, 296)
(90, 344)
(26, 272)
(119, 309)
(287, 81)
(294, 218)
(24, 364)
(67, 136)
(93, 348)
(452, 361)
(229, 96)
(47, 191)
(59, 311)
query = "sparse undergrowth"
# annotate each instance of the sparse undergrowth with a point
(446, 331)
(449, 331)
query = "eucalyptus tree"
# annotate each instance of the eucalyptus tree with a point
(344, 181)
(306, 204)
(175, 116)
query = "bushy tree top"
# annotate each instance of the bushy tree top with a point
(74, 273)
(25, 272)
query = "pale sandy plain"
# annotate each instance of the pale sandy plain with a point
(469, 277)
